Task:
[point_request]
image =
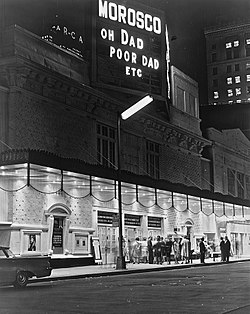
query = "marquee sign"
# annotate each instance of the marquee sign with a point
(130, 47)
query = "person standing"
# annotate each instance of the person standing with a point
(168, 250)
(157, 248)
(185, 250)
(222, 249)
(227, 246)
(176, 249)
(202, 250)
(136, 251)
(150, 251)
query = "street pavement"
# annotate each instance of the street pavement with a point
(110, 269)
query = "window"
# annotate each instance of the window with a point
(229, 92)
(229, 80)
(247, 65)
(248, 51)
(247, 187)
(238, 91)
(192, 105)
(236, 53)
(248, 77)
(228, 45)
(106, 145)
(238, 101)
(229, 54)
(248, 89)
(236, 67)
(153, 158)
(215, 71)
(229, 68)
(240, 184)
(213, 46)
(248, 41)
(216, 95)
(236, 43)
(215, 83)
(180, 98)
(230, 102)
(237, 79)
(231, 181)
(214, 57)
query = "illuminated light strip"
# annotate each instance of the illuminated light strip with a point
(136, 107)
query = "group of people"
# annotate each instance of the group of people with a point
(160, 250)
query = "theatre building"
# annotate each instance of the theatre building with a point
(63, 85)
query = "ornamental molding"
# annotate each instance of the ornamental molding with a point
(173, 136)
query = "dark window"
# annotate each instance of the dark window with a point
(213, 46)
(248, 89)
(247, 51)
(236, 67)
(240, 185)
(180, 98)
(229, 68)
(215, 83)
(231, 181)
(215, 71)
(106, 145)
(236, 53)
(229, 54)
(214, 57)
(153, 159)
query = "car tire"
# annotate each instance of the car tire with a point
(21, 279)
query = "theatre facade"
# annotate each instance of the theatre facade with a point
(61, 87)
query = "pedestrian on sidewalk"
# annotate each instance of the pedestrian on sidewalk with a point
(227, 249)
(176, 249)
(150, 251)
(136, 251)
(185, 250)
(158, 250)
(222, 249)
(168, 250)
(202, 250)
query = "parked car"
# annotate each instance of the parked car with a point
(16, 270)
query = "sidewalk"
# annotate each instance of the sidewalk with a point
(110, 269)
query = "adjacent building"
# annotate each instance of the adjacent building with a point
(228, 64)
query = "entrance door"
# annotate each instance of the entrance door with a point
(109, 244)
(57, 238)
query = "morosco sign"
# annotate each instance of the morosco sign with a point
(130, 38)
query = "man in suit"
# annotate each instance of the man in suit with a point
(202, 250)
(227, 247)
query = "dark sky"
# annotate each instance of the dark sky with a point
(186, 19)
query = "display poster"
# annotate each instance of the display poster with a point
(96, 250)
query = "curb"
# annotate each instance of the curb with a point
(131, 271)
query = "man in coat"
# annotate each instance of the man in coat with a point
(227, 246)
(202, 250)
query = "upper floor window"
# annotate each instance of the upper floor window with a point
(237, 79)
(214, 57)
(240, 184)
(216, 95)
(106, 145)
(215, 71)
(248, 77)
(213, 46)
(238, 91)
(236, 43)
(238, 101)
(215, 83)
(248, 41)
(153, 159)
(229, 54)
(229, 68)
(229, 92)
(236, 67)
(228, 45)
(231, 178)
(229, 80)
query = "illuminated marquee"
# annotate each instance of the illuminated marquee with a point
(129, 44)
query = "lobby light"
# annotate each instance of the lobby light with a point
(136, 107)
